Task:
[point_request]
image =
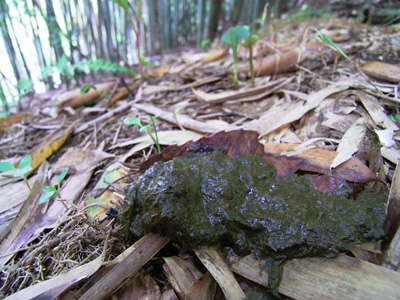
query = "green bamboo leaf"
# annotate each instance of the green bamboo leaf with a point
(323, 37)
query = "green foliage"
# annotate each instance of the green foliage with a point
(6, 166)
(24, 167)
(24, 85)
(248, 43)
(205, 43)
(49, 191)
(86, 88)
(324, 38)
(233, 36)
(146, 128)
(394, 118)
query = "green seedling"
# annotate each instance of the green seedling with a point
(326, 39)
(146, 128)
(205, 43)
(49, 191)
(24, 167)
(233, 37)
(395, 118)
(6, 166)
(248, 43)
(86, 88)
(175, 114)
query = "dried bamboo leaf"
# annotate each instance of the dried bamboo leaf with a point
(218, 268)
(282, 113)
(182, 274)
(382, 71)
(319, 278)
(74, 98)
(11, 236)
(183, 120)
(140, 253)
(350, 142)
(392, 221)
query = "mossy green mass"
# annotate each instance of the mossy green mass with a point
(206, 198)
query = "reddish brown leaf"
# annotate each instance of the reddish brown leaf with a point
(243, 142)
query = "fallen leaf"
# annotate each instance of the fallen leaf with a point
(319, 161)
(151, 89)
(302, 278)
(203, 289)
(49, 145)
(382, 71)
(214, 55)
(375, 110)
(168, 137)
(140, 286)
(74, 98)
(11, 237)
(183, 120)
(282, 113)
(80, 160)
(180, 274)
(14, 194)
(132, 260)
(246, 95)
(122, 94)
(350, 142)
(7, 121)
(219, 269)
(392, 221)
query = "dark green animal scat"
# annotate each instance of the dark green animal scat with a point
(206, 198)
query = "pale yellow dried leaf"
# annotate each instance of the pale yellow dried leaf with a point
(350, 142)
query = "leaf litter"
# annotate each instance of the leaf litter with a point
(304, 90)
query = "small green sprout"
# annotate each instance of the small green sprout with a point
(326, 39)
(175, 114)
(49, 191)
(24, 167)
(86, 88)
(205, 43)
(233, 36)
(248, 43)
(6, 166)
(146, 128)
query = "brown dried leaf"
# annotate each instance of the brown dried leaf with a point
(7, 121)
(181, 274)
(74, 98)
(382, 71)
(392, 221)
(203, 289)
(80, 160)
(319, 161)
(141, 286)
(219, 269)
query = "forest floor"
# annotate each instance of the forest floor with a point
(339, 116)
